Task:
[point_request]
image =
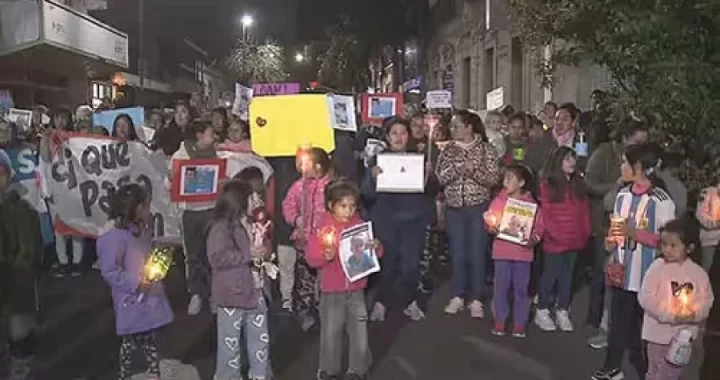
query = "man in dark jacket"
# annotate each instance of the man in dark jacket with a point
(20, 243)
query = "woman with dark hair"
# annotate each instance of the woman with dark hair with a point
(124, 128)
(170, 137)
(468, 168)
(220, 123)
(400, 221)
(566, 212)
(644, 207)
(62, 119)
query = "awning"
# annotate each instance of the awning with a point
(39, 32)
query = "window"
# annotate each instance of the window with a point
(199, 72)
(100, 91)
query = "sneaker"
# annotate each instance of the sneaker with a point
(476, 309)
(76, 270)
(307, 322)
(598, 341)
(322, 375)
(456, 304)
(544, 321)
(498, 329)
(536, 300)
(614, 374)
(354, 376)
(195, 305)
(414, 312)
(518, 331)
(287, 306)
(96, 265)
(378, 312)
(563, 321)
(62, 271)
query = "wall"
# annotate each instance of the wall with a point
(496, 59)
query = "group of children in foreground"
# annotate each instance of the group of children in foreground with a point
(142, 307)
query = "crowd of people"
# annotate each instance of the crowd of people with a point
(608, 197)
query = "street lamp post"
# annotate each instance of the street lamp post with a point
(246, 21)
(299, 58)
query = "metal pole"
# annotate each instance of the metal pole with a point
(141, 51)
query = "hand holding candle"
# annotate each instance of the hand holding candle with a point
(303, 159)
(492, 221)
(618, 227)
(329, 240)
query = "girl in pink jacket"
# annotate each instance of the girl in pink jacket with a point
(303, 208)
(512, 260)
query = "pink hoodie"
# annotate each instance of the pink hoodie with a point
(505, 250)
(332, 276)
(314, 205)
(243, 146)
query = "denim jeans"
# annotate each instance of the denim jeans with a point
(341, 313)
(468, 240)
(558, 270)
(597, 284)
(231, 324)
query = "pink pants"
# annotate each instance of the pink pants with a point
(658, 367)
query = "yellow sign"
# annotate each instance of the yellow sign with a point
(279, 124)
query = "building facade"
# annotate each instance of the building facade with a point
(472, 49)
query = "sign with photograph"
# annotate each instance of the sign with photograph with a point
(269, 89)
(106, 119)
(377, 107)
(243, 96)
(401, 173)
(356, 259)
(438, 99)
(197, 180)
(495, 99)
(517, 221)
(342, 112)
(21, 118)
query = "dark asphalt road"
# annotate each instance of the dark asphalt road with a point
(79, 341)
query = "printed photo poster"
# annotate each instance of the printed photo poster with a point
(106, 119)
(357, 261)
(21, 118)
(377, 107)
(197, 180)
(342, 112)
(243, 96)
(517, 221)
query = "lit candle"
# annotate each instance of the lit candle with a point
(303, 158)
(617, 226)
(491, 219)
(328, 237)
(158, 264)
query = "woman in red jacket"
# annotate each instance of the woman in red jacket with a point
(566, 213)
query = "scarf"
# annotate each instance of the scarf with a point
(194, 151)
(565, 139)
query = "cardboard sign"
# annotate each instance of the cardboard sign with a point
(268, 89)
(279, 124)
(438, 99)
(377, 107)
(495, 99)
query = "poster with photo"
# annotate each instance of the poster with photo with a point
(377, 107)
(21, 118)
(517, 221)
(342, 112)
(197, 180)
(356, 259)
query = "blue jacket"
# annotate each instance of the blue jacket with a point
(398, 207)
(122, 258)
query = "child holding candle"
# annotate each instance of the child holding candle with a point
(512, 261)
(141, 306)
(342, 303)
(236, 290)
(302, 208)
(676, 296)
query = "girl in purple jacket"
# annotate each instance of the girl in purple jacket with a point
(141, 307)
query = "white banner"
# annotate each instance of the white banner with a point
(86, 169)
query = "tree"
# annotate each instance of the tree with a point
(664, 57)
(342, 59)
(249, 62)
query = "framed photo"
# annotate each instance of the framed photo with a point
(517, 221)
(401, 173)
(197, 180)
(342, 112)
(21, 118)
(376, 107)
(357, 261)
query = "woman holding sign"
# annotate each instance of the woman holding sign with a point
(468, 167)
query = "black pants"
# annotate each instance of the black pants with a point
(625, 332)
(597, 287)
(130, 343)
(197, 267)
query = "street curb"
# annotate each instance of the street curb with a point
(517, 361)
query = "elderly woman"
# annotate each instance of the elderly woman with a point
(468, 168)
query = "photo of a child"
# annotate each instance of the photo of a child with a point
(357, 255)
(199, 180)
(361, 260)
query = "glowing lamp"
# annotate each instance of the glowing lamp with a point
(314, 85)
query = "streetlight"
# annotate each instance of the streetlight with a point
(299, 57)
(246, 22)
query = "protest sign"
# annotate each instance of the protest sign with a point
(495, 99)
(85, 170)
(378, 107)
(243, 96)
(279, 124)
(438, 99)
(24, 166)
(21, 118)
(107, 118)
(268, 89)
(342, 112)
